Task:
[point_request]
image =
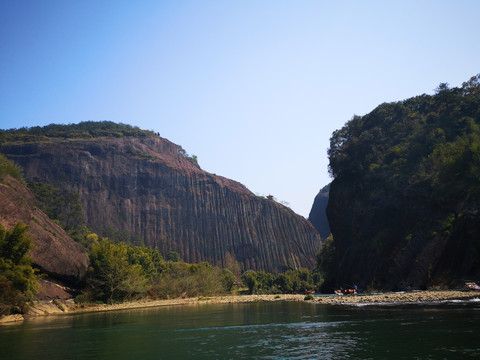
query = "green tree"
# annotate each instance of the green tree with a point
(173, 256)
(7, 167)
(179, 279)
(289, 281)
(111, 274)
(260, 282)
(228, 279)
(149, 259)
(17, 277)
(249, 278)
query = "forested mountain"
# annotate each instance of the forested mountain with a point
(404, 203)
(137, 187)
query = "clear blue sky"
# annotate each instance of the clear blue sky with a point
(253, 88)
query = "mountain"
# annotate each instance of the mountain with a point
(138, 185)
(318, 213)
(405, 200)
(54, 253)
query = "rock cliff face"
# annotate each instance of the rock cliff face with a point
(395, 240)
(404, 203)
(146, 187)
(53, 251)
(318, 213)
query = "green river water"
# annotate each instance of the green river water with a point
(280, 330)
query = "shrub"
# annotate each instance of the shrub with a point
(7, 167)
(18, 281)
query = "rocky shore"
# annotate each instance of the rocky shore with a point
(57, 307)
(401, 297)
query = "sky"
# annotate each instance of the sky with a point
(254, 89)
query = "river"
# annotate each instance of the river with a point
(280, 330)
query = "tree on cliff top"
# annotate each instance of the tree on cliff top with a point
(85, 129)
(403, 137)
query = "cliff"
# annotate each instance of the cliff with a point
(405, 199)
(151, 190)
(53, 251)
(318, 213)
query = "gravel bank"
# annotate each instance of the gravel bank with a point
(55, 307)
(401, 297)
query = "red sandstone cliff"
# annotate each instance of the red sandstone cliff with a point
(53, 251)
(145, 187)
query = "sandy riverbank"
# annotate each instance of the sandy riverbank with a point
(43, 308)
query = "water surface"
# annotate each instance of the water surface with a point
(280, 330)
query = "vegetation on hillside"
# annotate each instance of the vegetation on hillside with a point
(400, 172)
(192, 158)
(82, 130)
(64, 208)
(121, 272)
(17, 278)
(434, 139)
(9, 168)
(291, 281)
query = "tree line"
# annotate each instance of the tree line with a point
(291, 281)
(120, 272)
(85, 129)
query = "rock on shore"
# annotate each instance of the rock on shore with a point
(56, 307)
(401, 298)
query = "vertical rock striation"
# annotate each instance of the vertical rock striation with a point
(145, 187)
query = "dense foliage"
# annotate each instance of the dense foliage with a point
(17, 277)
(290, 281)
(120, 272)
(426, 138)
(86, 129)
(400, 174)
